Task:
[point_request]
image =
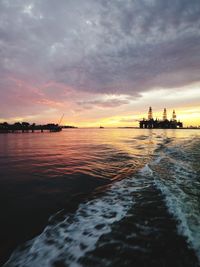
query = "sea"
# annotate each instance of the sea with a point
(100, 197)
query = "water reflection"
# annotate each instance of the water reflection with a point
(90, 151)
(42, 173)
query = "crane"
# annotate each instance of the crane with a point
(61, 119)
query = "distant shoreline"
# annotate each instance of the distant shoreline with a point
(183, 128)
(41, 129)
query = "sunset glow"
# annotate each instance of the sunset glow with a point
(99, 65)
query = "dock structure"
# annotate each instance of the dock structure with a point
(26, 127)
(162, 124)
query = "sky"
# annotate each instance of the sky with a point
(99, 62)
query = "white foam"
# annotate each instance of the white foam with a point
(70, 239)
(146, 171)
(183, 212)
(176, 184)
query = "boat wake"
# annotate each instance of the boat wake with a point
(72, 238)
(68, 241)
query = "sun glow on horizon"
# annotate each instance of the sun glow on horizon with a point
(190, 116)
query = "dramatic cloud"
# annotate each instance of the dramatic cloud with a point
(51, 51)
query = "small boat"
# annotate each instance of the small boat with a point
(101, 127)
(56, 129)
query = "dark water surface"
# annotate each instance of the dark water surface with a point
(100, 197)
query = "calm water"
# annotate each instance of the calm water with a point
(100, 197)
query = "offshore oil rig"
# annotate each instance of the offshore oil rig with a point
(162, 124)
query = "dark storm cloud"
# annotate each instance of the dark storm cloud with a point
(102, 46)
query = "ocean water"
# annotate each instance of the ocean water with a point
(100, 197)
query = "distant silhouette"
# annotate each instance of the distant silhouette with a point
(26, 127)
(163, 124)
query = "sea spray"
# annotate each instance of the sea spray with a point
(77, 234)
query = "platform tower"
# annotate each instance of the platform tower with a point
(150, 114)
(164, 114)
(174, 115)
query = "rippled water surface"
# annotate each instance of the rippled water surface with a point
(100, 197)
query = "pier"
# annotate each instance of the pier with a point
(26, 127)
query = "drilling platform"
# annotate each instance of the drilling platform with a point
(160, 124)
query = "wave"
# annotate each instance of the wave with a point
(77, 234)
(69, 240)
(179, 183)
